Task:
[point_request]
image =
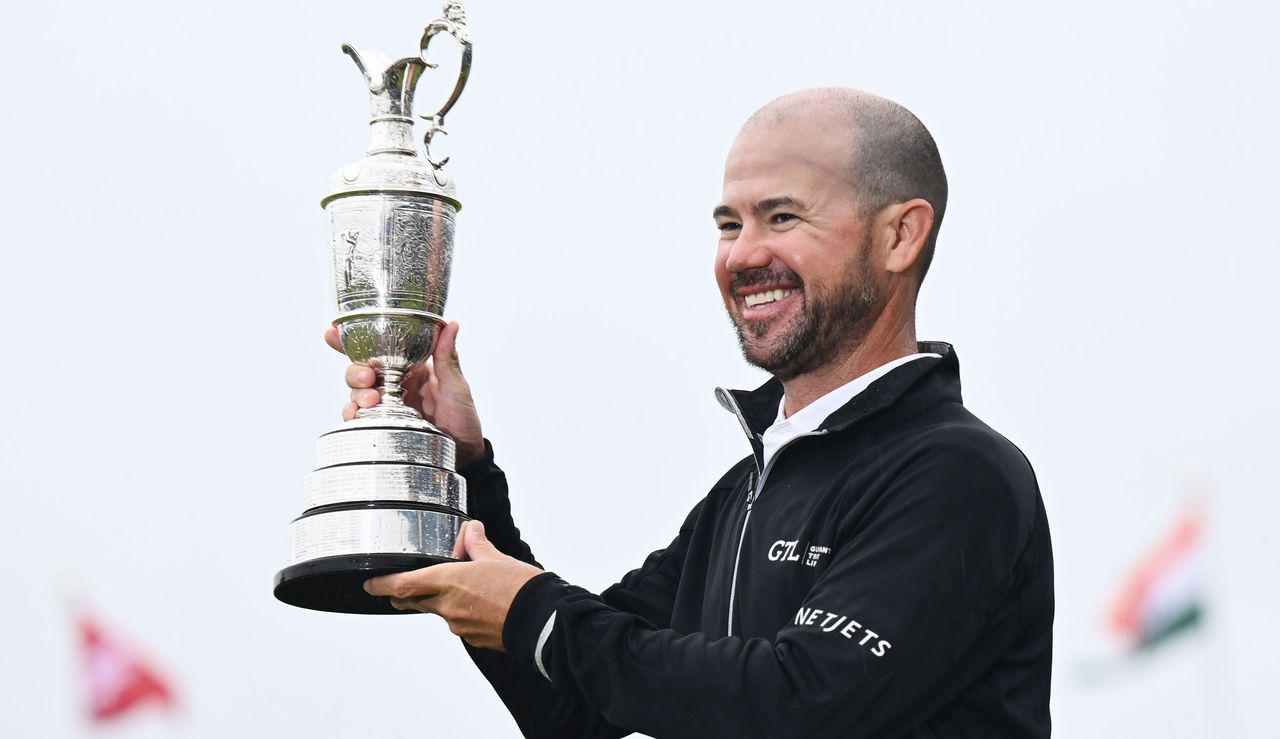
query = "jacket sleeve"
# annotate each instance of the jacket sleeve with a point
(912, 608)
(539, 709)
(488, 501)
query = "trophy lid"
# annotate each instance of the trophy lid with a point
(393, 164)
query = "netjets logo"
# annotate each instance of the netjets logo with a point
(790, 551)
(830, 622)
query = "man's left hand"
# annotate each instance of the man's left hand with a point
(473, 597)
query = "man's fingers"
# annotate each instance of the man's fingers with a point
(423, 605)
(360, 377)
(332, 338)
(349, 411)
(365, 398)
(401, 585)
(423, 583)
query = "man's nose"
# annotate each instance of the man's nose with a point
(749, 251)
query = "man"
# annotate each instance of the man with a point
(878, 566)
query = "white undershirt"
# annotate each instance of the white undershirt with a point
(811, 416)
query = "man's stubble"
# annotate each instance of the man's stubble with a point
(827, 328)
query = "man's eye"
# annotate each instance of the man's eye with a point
(728, 226)
(781, 217)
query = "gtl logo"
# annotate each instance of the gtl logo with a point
(784, 551)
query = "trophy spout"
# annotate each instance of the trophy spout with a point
(391, 86)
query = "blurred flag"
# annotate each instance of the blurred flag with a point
(117, 679)
(1164, 594)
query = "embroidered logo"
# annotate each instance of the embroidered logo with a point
(791, 551)
(783, 551)
(815, 553)
(848, 628)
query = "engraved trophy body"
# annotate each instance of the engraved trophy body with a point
(384, 496)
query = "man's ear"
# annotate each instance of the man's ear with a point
(908, 227)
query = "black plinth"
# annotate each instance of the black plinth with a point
(336, 584)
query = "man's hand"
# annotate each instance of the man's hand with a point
(435, 387)
(473, 597)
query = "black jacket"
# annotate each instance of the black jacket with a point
(888, 575)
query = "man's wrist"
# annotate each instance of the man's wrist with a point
(471, 452)
(478, 464)
(527, 630)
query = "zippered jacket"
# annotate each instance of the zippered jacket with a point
(888, 574)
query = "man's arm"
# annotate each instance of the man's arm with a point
(489, 501)
(919, 601)
(537, 706)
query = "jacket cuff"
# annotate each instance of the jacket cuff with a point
(530, 619)
(482, 467)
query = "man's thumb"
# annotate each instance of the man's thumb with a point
(476, 545)
(445, 356)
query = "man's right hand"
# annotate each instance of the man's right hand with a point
(435, 387)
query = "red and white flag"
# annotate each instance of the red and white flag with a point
(117, 679)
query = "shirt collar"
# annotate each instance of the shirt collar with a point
(756, 409)
(811, 416)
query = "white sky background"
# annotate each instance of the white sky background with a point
(1105, 272)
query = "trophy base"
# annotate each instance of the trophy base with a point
(384, 498)
(336, 584)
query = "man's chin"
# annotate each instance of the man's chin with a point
(782, 353)
(767, 344)
(767, 356)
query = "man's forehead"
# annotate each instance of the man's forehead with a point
(784, 167)
(817, 142)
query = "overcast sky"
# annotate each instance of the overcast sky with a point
(1106, 273)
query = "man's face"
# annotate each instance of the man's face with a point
(795, 263)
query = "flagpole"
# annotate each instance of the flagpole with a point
(70, 596)
(1216, 674)
(1214, 661)
(1218, 702)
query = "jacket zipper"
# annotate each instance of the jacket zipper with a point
(753, 492)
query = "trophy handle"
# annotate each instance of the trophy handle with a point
(453, 23)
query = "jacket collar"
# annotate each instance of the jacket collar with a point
(939, 380)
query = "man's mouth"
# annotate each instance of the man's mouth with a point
(768, 296)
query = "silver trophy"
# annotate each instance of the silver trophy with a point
(384, 496)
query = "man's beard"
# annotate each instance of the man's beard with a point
(825, 329)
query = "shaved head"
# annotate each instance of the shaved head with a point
(893, 157)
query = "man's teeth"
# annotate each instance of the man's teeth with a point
(768, 296)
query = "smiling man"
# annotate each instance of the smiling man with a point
(878, 566)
